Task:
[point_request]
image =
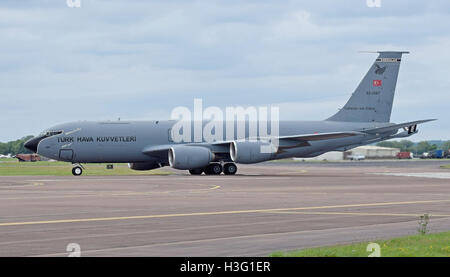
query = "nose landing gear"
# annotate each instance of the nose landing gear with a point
(77, 170)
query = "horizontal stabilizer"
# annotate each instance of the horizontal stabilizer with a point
(395, 127)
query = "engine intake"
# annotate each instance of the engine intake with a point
(189, 157)
(247, 152)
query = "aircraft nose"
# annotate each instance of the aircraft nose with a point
(32, 144)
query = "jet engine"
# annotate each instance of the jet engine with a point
(247, 152)
(189, 157)
(143, 166)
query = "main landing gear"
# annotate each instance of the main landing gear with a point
(77, 170)
(230, 169)
(216, 169)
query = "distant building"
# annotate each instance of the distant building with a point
(28, 157)
(368, 151)
(373, 152)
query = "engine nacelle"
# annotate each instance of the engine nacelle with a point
(143, 166)
(252, 151)
(189, 157)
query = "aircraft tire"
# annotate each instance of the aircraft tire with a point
(77, 171)
(196, 171)
(230, 169)
(213, 169)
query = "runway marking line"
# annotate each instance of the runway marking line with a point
(364, 214)
(72, 237)
(210, 187)
(249, 236)
(119, 193)
(213, 213)
(165, 178)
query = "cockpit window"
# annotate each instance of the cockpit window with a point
(50, 133)
(53, 133)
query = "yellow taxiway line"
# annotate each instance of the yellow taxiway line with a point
(77, 220)
(363, 214)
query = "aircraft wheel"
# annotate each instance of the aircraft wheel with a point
(77, 171)
(230, 169)
(197, 171)
(213, 169)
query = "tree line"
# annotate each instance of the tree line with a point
(416, 148)
(14, 147)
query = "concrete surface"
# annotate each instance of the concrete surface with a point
(267, 207)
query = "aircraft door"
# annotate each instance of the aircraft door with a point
(66, 154)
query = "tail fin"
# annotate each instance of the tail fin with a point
(372, 99)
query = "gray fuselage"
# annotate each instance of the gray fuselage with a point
(121, 141)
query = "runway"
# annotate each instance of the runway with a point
(265, 208)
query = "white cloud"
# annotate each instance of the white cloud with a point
(139, 59)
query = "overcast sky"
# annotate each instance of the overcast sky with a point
(140, 59)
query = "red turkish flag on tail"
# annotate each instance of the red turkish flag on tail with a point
(376, 83)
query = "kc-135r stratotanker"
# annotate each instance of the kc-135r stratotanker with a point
(147, 145)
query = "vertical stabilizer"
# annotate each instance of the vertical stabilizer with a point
(372, 99)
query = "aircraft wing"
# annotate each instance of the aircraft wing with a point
(301, 140)
(411, 127)
(320, 136)
(308, 137)
(293, 141)
(284, 142)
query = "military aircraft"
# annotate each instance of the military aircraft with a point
(147, 145)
